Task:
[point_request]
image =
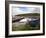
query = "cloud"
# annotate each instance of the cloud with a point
(23, 10)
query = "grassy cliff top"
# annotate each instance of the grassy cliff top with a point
(29, 14)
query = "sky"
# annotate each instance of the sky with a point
(24, 10)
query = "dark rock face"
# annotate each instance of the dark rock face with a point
(17, 20)
(33, 23)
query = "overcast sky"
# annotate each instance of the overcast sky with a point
(24, 10)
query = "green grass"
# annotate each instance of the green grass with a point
(25, 27)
